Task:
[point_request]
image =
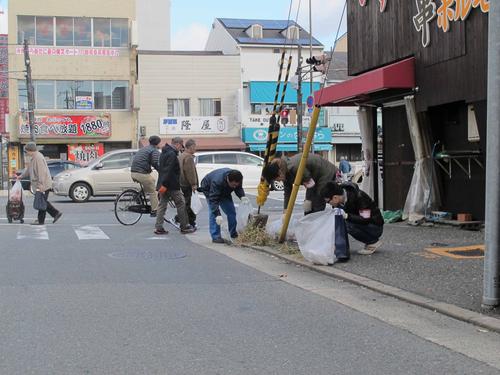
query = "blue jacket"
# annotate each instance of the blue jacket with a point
(216, 188)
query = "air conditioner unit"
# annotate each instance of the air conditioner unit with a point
(142, 131)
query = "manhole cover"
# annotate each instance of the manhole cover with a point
(149, 254)
(468, 253)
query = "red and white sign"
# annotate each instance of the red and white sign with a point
(4, 110)
(68, 126)
(85, 153)
(69, 51)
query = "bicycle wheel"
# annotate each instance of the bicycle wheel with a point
(128, 207)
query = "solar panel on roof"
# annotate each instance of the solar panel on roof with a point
(245, 23)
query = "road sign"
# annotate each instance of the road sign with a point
(310, 102)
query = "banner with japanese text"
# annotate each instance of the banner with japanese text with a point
(85, 153)
(57, 126)
(194, 125)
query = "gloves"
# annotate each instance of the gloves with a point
(307, 206)
(162, 190)
(345, 215)
(309, 184)
(245, 200)
(219, 220)
(262, 193)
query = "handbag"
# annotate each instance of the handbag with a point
(40, 203)
(342, 250)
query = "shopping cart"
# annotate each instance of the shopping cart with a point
(15, 204)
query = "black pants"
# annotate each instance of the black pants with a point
(188, 192)
(50, 209)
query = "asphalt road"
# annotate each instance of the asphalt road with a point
(89, 296)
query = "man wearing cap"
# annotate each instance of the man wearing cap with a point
(144, 160)
(41, 181)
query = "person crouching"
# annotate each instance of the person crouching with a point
(363, 218)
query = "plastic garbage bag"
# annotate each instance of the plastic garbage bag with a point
(196, 204)
(273, 228)
(316, 237)
(16, 192)
(392, 216)
(242, 213)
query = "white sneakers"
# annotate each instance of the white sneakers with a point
(370, 249)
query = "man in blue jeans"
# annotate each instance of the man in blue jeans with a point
(217, 187)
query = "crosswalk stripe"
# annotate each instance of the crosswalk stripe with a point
(90, 232)
(37, 232)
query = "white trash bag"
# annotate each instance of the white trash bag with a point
(242, 213)
(16, 192)
(316, 237)
(196, 204)
(273, 228)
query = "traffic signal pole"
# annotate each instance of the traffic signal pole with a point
(30, 92)
(491, 280)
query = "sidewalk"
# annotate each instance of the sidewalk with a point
(439, 268)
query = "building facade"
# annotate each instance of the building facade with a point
(424, 64)
(191, 95)
(260, 43)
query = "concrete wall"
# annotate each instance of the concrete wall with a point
(153, 23)
(182, 76)
(220, 40)
(94, 68)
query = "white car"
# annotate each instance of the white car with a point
(249, 165)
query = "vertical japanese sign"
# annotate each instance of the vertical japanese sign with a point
(4, 81)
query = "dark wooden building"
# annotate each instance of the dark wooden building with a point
(446, 46)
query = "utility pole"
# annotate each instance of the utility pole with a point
(491, 283)
(299, 100)
(310, 45)
(29, 89)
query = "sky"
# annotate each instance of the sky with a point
(192, 19)
(3, 17)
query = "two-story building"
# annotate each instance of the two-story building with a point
(259, 45)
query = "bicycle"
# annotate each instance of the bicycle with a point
(131, 204)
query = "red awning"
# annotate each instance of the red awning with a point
(209, 143)
(387, 81)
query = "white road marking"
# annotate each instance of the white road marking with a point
(32, 232)
(90, 232)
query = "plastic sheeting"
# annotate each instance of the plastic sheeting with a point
(365, 120)
(423, 194)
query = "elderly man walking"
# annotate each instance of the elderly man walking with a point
(41, 182)
(189, 178)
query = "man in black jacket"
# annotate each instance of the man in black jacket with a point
(363, 218)
(169, 186)
(140, 171)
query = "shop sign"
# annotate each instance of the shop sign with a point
(449, 11)
(194, 125)
(263, 120)
(55, 126)
(84, 102)
(69, 51)
(287, 135)
(4, 110)
(85, 153)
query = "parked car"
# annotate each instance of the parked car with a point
(108, 175)
(55, 167)
(250, 166)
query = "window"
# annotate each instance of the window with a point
(210, 107)
(102, 94)
(44, 94)
(205, 159)
(45, 31)
(178, 107)
(64, 31)
(25, 29)
(256, 109)
(267, 109)
(78, 95)
(102, 32)
(83, 32)
(225, 159)
(119, 33)
(244, 159)
(117, 161)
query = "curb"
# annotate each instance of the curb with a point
(484, 321)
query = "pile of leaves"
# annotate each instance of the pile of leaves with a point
(257, 236)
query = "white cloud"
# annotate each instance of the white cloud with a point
(325, 19)
(191, 38)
